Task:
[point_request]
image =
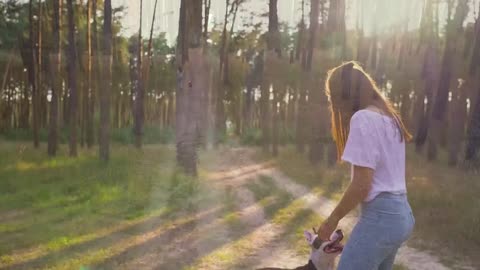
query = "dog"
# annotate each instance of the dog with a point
(323, 253)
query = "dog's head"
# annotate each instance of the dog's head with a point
(323, 253)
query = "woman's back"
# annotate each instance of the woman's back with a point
(374, 141)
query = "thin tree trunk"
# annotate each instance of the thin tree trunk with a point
(456, 129)
(206, 18)
(93, 78)
(140, 93)
(454, 27)
(32, 74)
(273, 63)
(72, 78)
(473, 131)
(105, 96)
(220, 127)
(41, 97)
(55, 63)
(316, 150)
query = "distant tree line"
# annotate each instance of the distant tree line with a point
(65, 65)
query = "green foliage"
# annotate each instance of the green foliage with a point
(183, 191)
(152, 135)
(13, 23)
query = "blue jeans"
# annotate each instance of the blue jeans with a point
(385, 223)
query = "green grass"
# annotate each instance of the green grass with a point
(444, 200)
(151, 135)
(54, 204)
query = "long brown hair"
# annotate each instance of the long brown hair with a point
(345, 87)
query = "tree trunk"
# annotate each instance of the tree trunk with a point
(140, 90)
(473, 134)
(273, 65)
(454, 27)
(456, 129)
(206, 17)
(105, 96)
(316, 104)
(55, 63)
(191, 82)
(93, 56)
(72, 78)
(32, 75)
(220, 119)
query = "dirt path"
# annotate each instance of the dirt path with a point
(408, 257)
(236, 232)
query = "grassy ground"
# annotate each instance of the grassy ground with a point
(54, 208)
(65, 213)
(444, 200)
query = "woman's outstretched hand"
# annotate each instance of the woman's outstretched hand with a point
(327, 228)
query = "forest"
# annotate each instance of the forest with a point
(93, 119)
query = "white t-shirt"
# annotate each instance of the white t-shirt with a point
(374, 141)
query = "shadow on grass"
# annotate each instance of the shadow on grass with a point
(143, 228)
(190, 244)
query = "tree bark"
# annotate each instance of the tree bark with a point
(316, 103)
(454, 27)
(55, 63)
(93, 55)
(191, 84)
(72, 78)
(140, 89)
(456, 129)
(32, 75)
(105, 96)
(273, 65)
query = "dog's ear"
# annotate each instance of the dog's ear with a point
(308, 236)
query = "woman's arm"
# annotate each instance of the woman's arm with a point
(356, 192)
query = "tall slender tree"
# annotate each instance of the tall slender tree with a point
(301, 129)
(32, 74)
(207, 5)
(473, 132)
(220, 126)
(72, 78)
(271, 76)
(191, 84)
(454, 28)
(105, 91)
(88, 96)
(139, 113)
(55, 69)
(94, 66)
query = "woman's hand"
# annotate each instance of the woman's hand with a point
(327, 228)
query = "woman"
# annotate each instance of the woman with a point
(370, 135)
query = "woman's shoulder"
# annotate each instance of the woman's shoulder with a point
(368, 115)
(366, 119)
(363, 115)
